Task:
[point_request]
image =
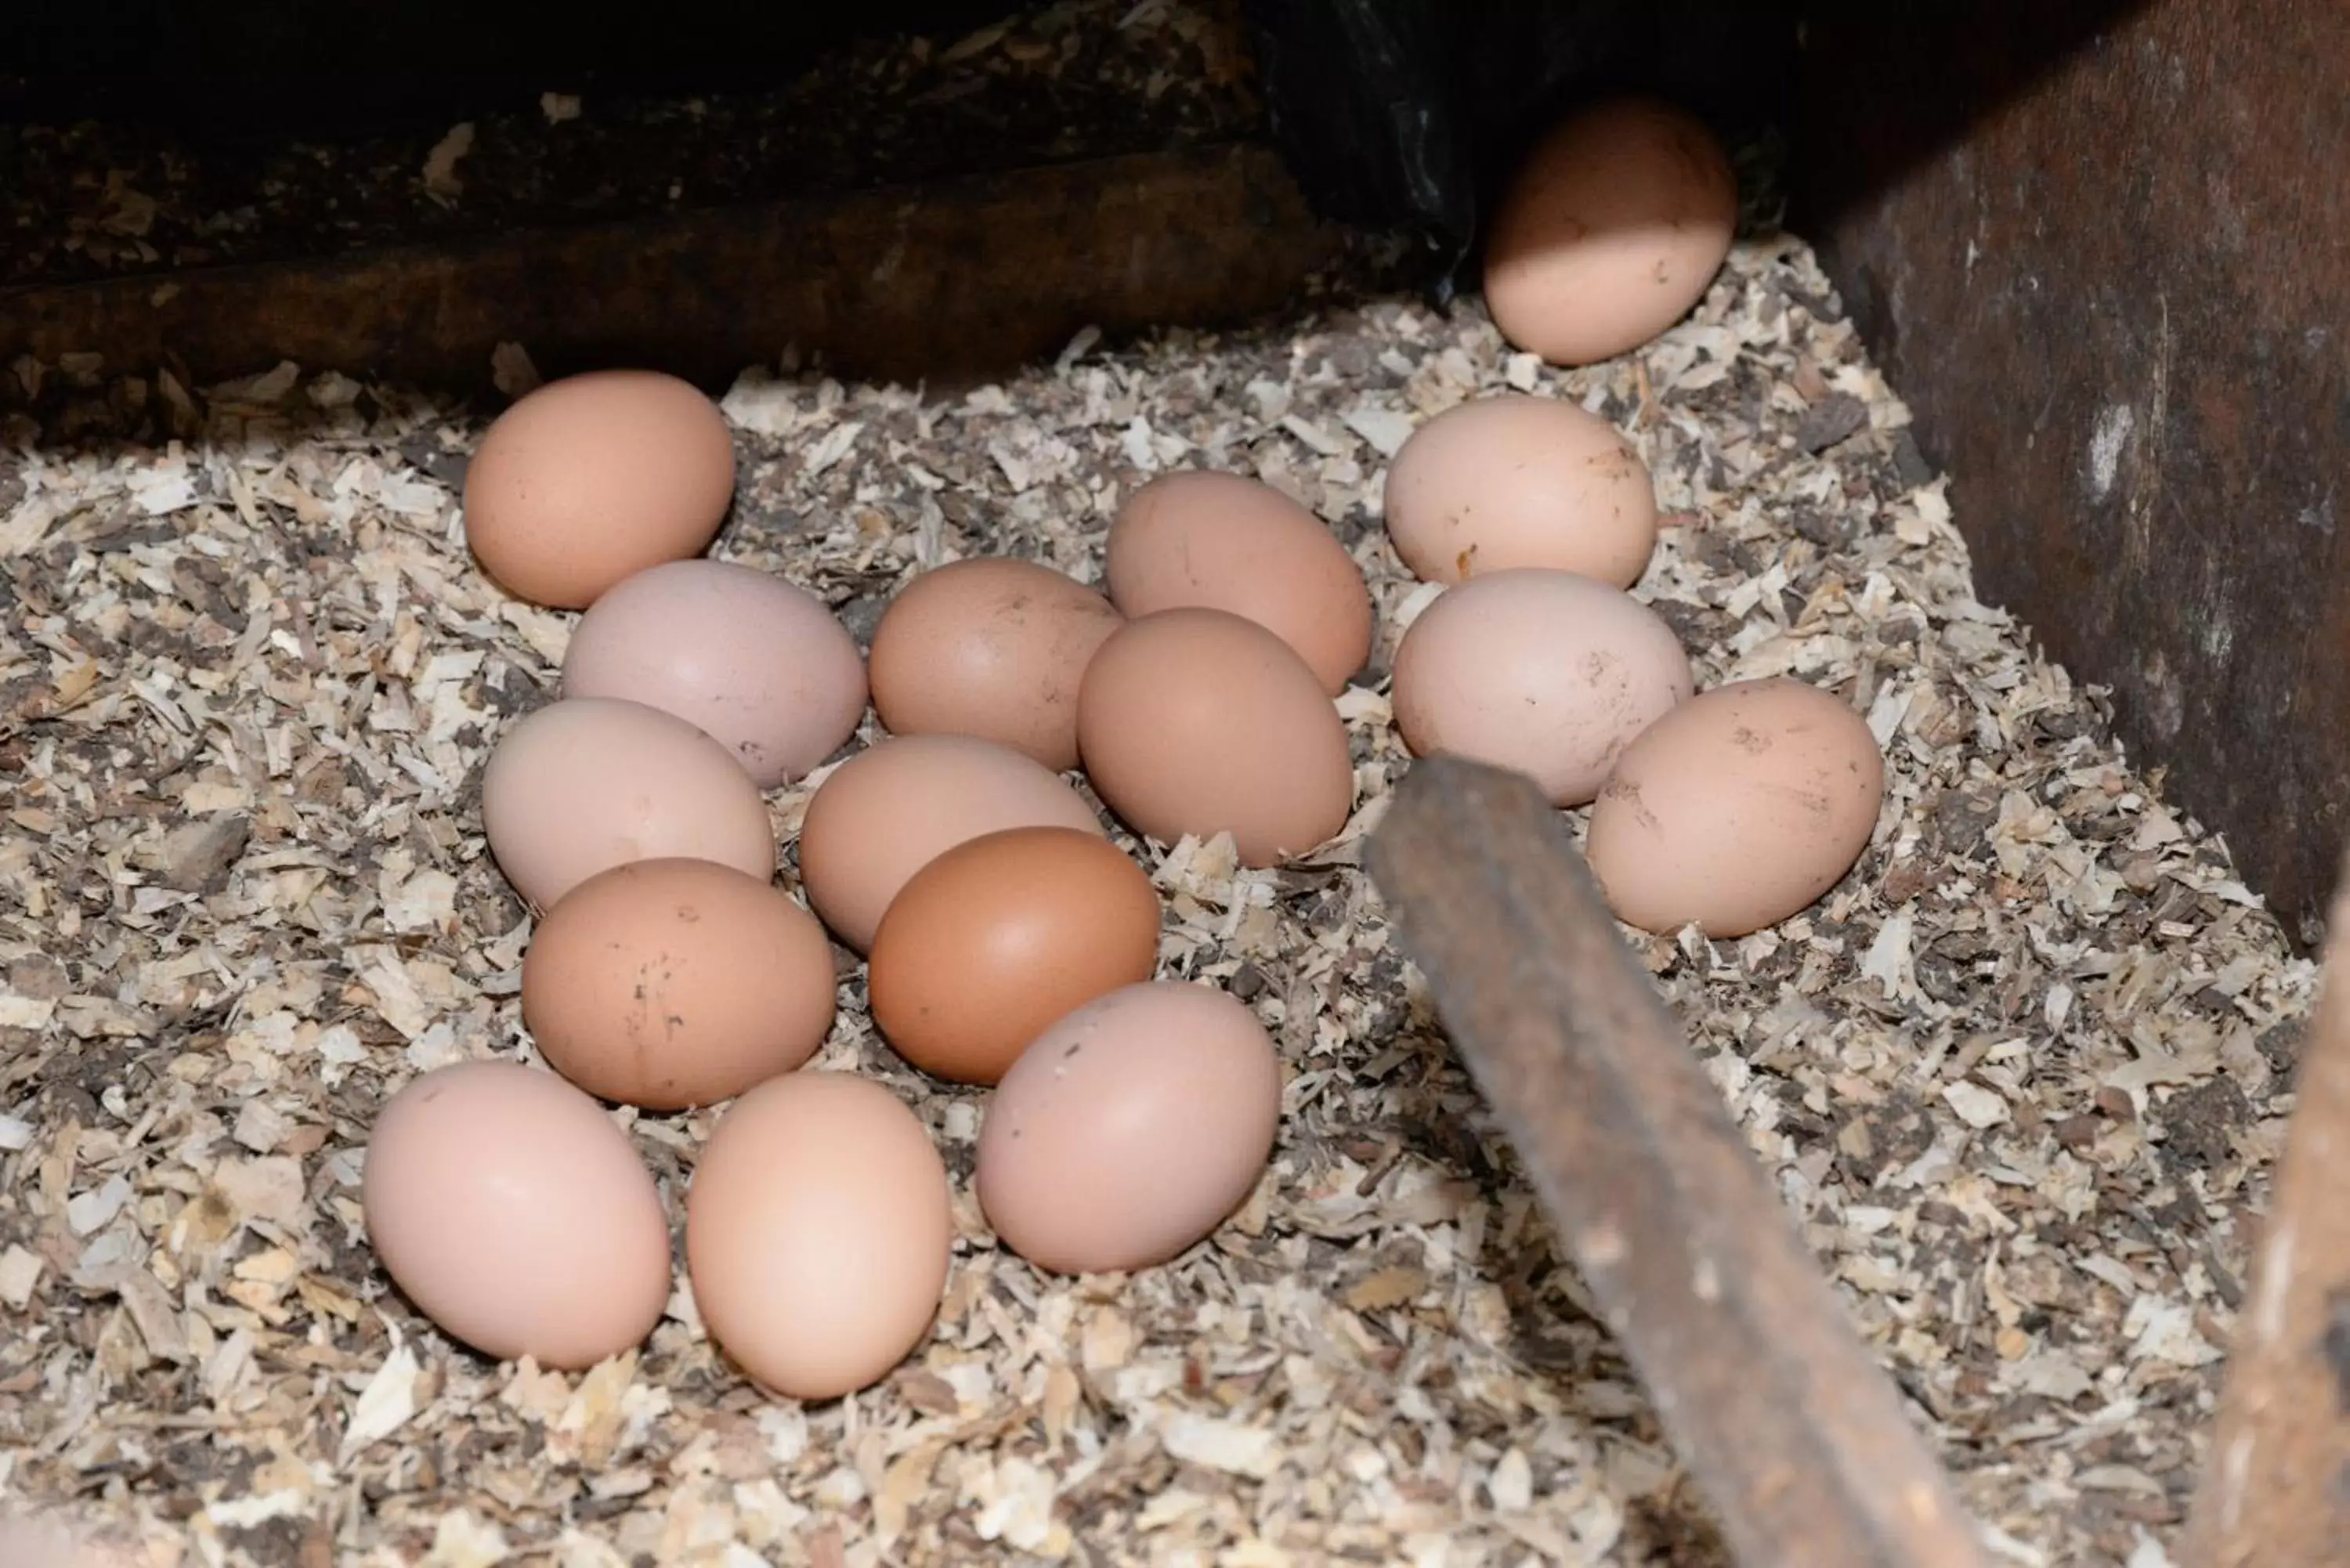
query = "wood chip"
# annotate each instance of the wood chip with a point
(2039, 1037)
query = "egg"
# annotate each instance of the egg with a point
(818, 1233)
(758, 664)
(590, 783)
(1511, 481)
(892, 809)
(1201, 721)
(1551, 674)
(994, 647)
(668, 984)
(506, 1206)
(590, 478)
(1739, 808)
(1130, 1129)
(1612, 228)
(1001, 936)
(1223, 541)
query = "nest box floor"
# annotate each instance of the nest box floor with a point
(2020, 1075)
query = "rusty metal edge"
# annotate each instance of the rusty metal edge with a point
(941, 281)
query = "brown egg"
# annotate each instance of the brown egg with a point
(892, 809)
(1222, 540)
(992, 648)
(1130, 1129)
(590, 783)
(668, 984)
(1198, 722)
(1549, 673)
(1736, 810)
(511, 1210)
(999, 937)
(1612, 229)
(756, 663)
(1506, 482)
(818, 1231)
(593, 478)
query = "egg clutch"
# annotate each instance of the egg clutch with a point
(1008, 942)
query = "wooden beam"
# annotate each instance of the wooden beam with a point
(958, 279)
(2276, 1485)
(1797, 1438)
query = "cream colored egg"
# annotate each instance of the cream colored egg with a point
(757, 663)
(513, 1213)
(1551, 674)
(1612, 229)
(1510, 481)
(818, 1231)
(590, 783)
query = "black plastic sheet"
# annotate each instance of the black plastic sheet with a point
(1406, 115)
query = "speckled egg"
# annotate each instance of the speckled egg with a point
(1736, 810)
(758, 664)
(1505, 482)
(669, 983)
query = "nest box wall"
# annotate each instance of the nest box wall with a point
(2104, 252)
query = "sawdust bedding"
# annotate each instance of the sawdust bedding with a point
(2019, 1076)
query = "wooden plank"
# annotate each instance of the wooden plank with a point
(2103, 249)
(1797, 1438)
(2276, 1485)
(958, 279)
(274, 66)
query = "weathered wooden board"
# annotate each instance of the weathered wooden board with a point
(2104, 251)
(1797, 1438)
(958, 278)
(2276, 1488)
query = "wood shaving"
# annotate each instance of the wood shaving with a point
(2020, 1077)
